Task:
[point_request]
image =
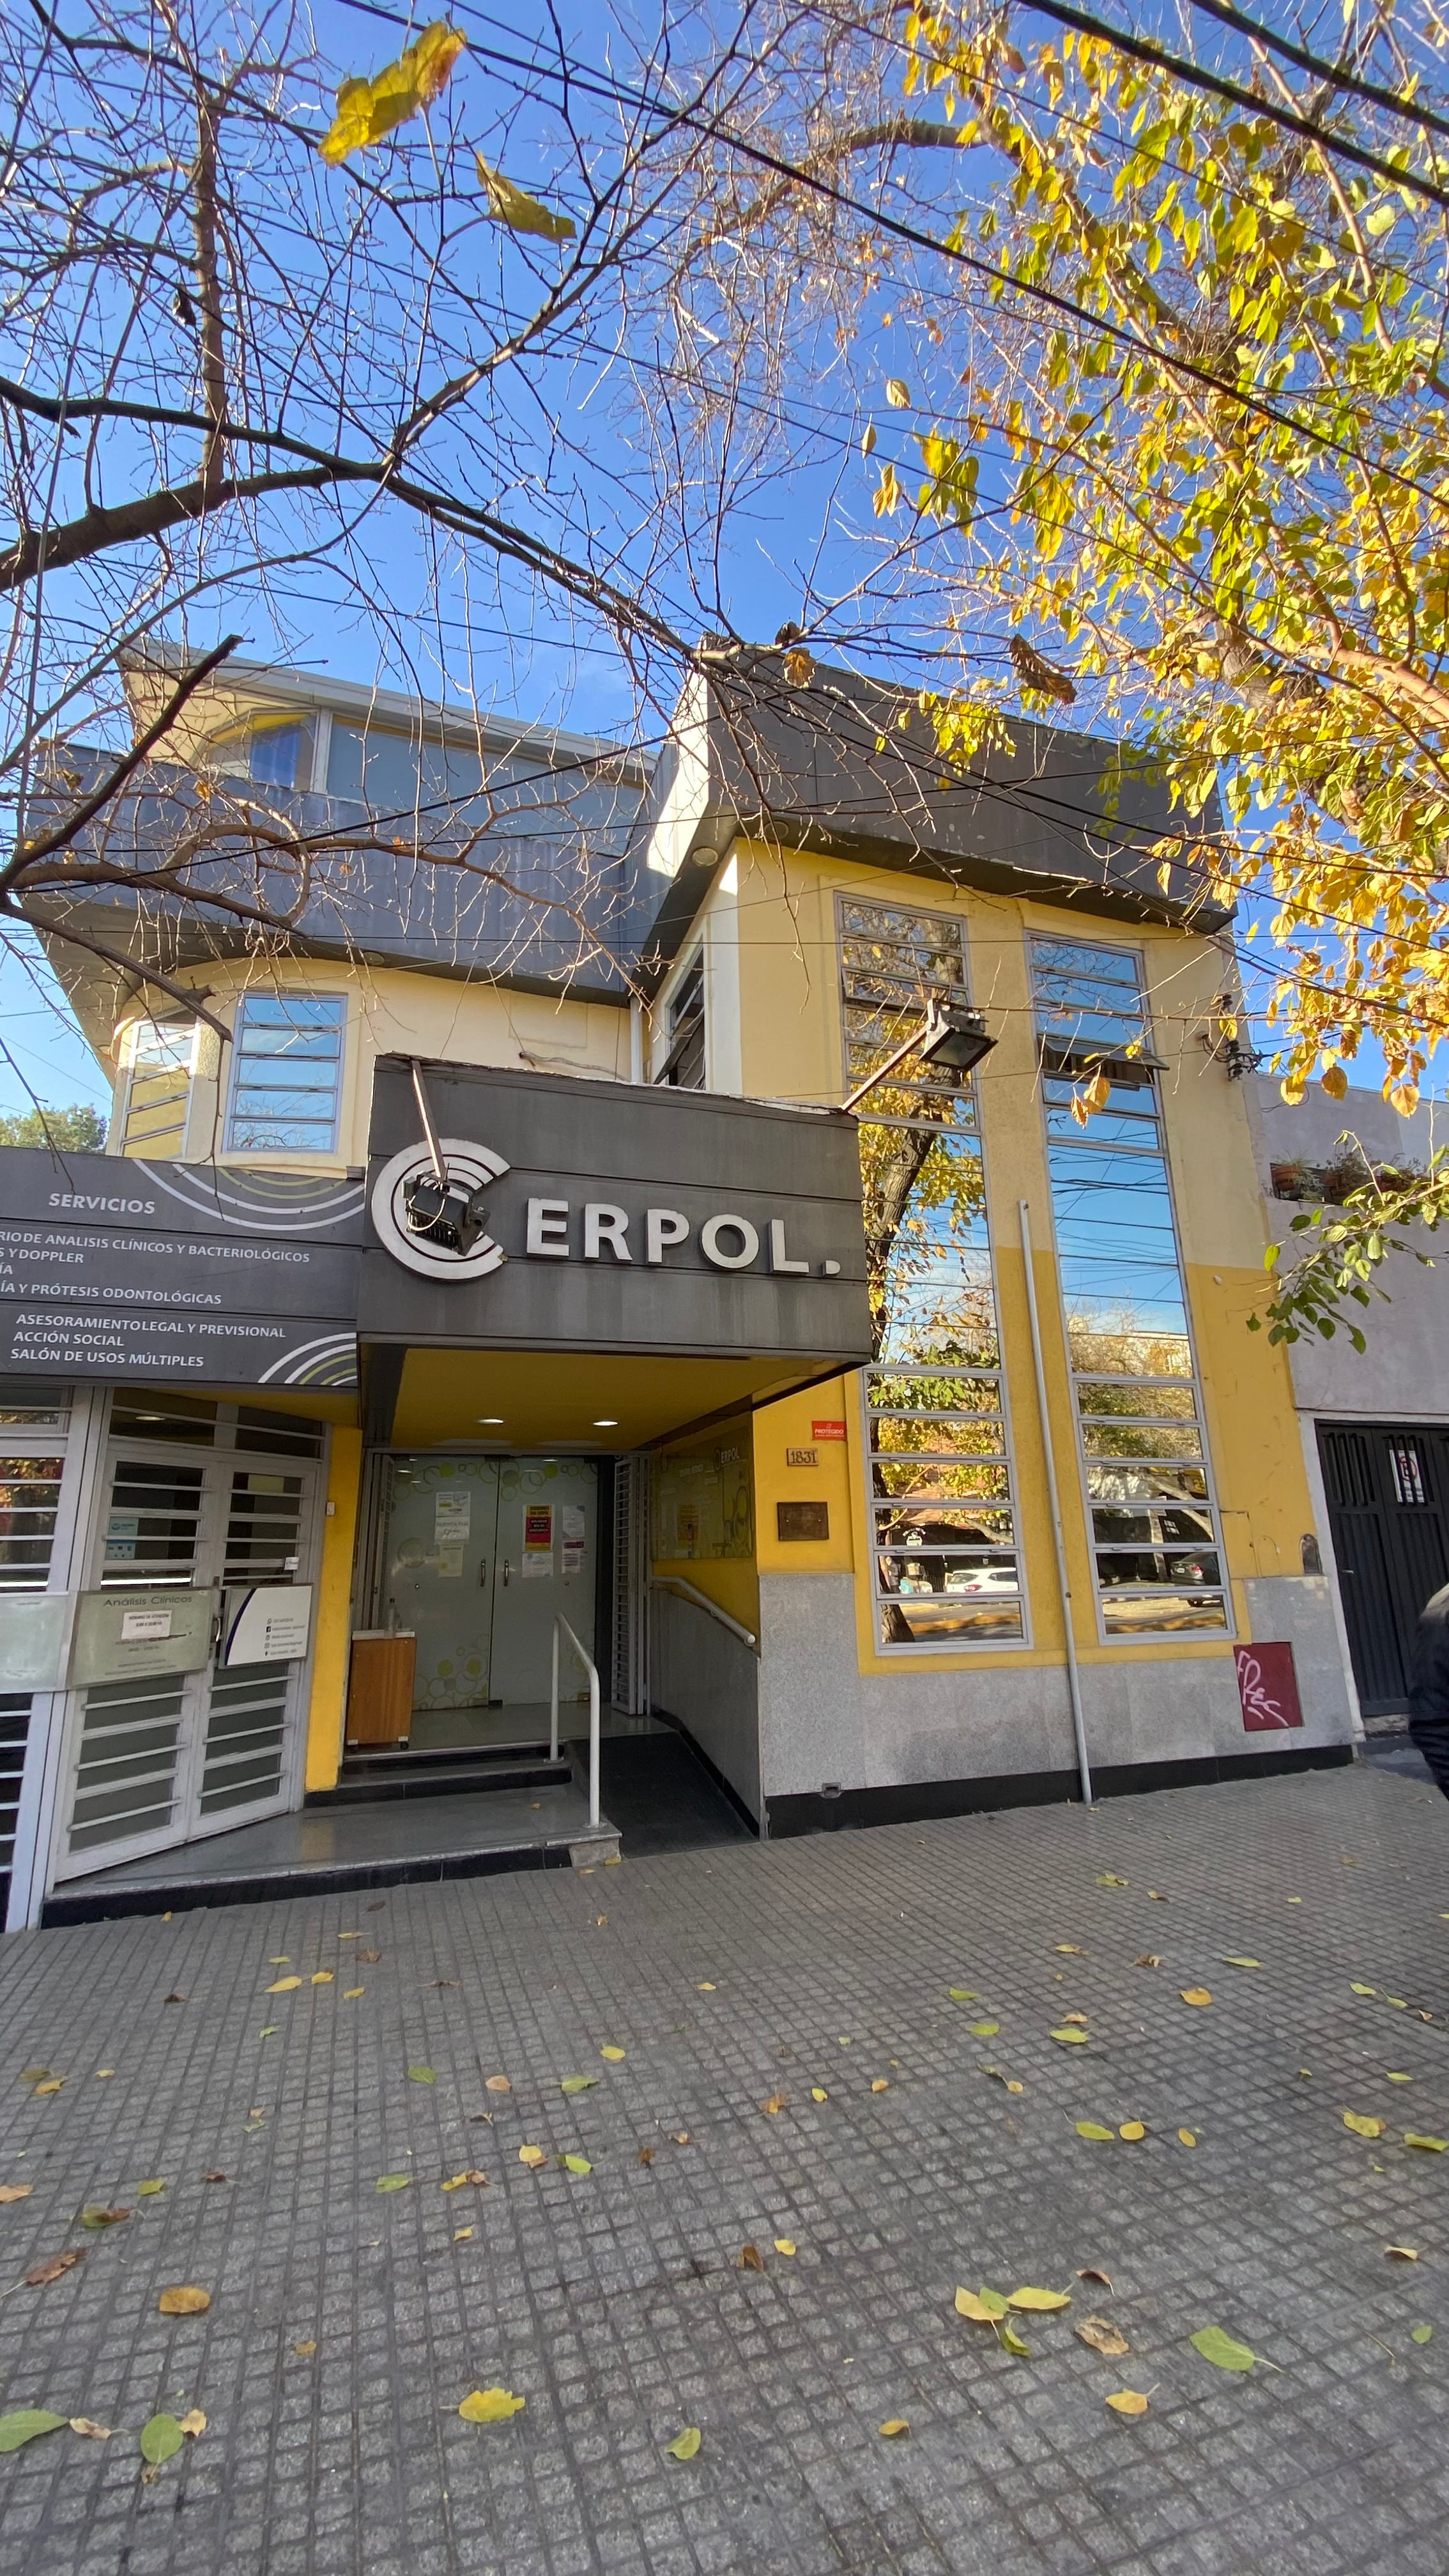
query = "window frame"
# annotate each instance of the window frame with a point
(677, 1040)
(329, 1152)
(1154, 1066)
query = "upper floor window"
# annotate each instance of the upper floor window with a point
(271, 750)
(683, 1068)
(286, 1083)
(158, 1058)
(394, 773)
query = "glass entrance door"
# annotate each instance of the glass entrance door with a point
(160, 1760)
(438, 1579)
(479, 1555)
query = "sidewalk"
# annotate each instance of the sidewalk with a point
(346, 2325)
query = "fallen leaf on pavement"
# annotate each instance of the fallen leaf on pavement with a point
(462, 2234)
(437, 1981)
(215, 2176)
(421, 2075)
(1400, 2079)
(1128, 2401)
(678, 2137)
(749, 2259)
(304, 2351)
(1149, 1959)
(173, 1999)
(818, 2093)
(193, 2423)
(456, 2181)
(51, 2268)
(283, 1986)
(150, 2190)
(1132, 2130)
(34, 2074)
(1231, 1962)
(1070, 2038)
(685, 2444)
(1363, 1990)
(703, 1989)
(323, 1977)
(1157, 1897)
(577, 2083)
(26, 2425)
(1420, 2334)
(371, 1957)
(161, 2439)
(646, 2155)
(1010, 2340)
(497, 2084)
(576, 2164)
(1067, 1949)
(1196, 1995)
(1103, 2337)
(491, 2406)
(963, 1994)
(1090, 2273)
(893, 2427)
(15, 2191)
(1222, 2350)
(393, 2182)
(185, 2301)
(784, 2245)
(54, 2085)
(1435, 2146)
(983, 2307)
(349, 1936)
(1362, 2126)
(1083, 2018)
(1092, 2129)
(776, 2102)
(881, 2083)
(1041, 2303)
(1110, 1879)
(984, 2029)
(99, 2216)
(1187, 2137)
(615, 2056)
(1405, 2253)
(350, 1993)
(93, 2432)
(533, 2157)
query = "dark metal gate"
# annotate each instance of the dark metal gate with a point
(1388, 1508)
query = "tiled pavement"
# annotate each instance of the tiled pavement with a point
(612, 2301)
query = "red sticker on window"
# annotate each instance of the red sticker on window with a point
(1267, 1688)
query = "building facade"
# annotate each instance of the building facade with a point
(900, 1460)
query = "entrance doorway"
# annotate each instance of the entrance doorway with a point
(194, 1494)
(479, 1556)
(1388, 1509)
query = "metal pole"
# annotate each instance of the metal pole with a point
(553, 1717)
(912, 1046)
(593, 1742)
(430, 1133)
(1064, 1584)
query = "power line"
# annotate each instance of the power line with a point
(1334, 73)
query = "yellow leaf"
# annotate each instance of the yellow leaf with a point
(304, 2351)
(1398, 2079)
(491, 2406)
(894, 2426)
(184, 2302)
(351, 1993)
(775, 2104)
(1362, 2126)
(193, 2423)
(1242, 1963)
(462, 2234)
(1098, 1092)
(615, 2056)
(685, 2444)
(53, 2086)
(148, 2190)
(1043, 2303)
(1435, 2146)
(1128, 2401)
(1092, 2129)
(881, 2083)
(323, 1977)
(1334, 1081)
(983, 2309)
(818, 2093)
(1070, 2038)
(497, 2084)
(1132, 2130)
(898, 393)
(1076, 2017)
(984, 2029)
(867, 439)
(511, 205)
(706, 1990)
(1109, 1878)
(93, 2432)
(284, 1986)
(1405, 1098)
(1399, 2002)
(533, 2157)
(1186, 2138)
(1405, 2253)
(1363, 1990)
(369, 109)
(1196, 1995)
(784, 2245)
(1068, 1949)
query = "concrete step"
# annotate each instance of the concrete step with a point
(462, 1773)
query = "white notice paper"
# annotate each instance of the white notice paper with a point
(452, 1520)
(572, 1519)
(144, 1623)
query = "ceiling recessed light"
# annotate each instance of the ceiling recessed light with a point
(607, 1422)
(494, 1418)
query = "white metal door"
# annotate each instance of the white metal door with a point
(547, 1530)
(161, 1760)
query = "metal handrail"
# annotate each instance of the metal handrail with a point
(702, 1601)
(592, 1669)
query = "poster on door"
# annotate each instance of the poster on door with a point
(573, 1539)
(537, 1539)
(452, 1519)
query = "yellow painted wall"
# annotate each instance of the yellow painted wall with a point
(790, 1046)
(333, 1627)
(789, 1425)
(732, 1582)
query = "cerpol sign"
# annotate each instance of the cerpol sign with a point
(429, 1208)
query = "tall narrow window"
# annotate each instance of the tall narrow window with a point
(286, 1082)
(159, 1056)
(1156, 1548)
(683, 1067)
(944, 1548)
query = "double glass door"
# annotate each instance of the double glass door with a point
(164, 1758)
(479, 1555)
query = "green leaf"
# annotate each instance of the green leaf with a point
(1011, 2340)
(1070, 2037)
(984, 2029)
(1435, 2146)
(576, 2164)
(963, 1994)
(421, 2075)
(513, 206)
(1221, 2349)
(1093, 2129)
(393, 2182)
(1420, 2334)
(161, 2439)
(27, 2425)
(685, 2444)
(577, 2083)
